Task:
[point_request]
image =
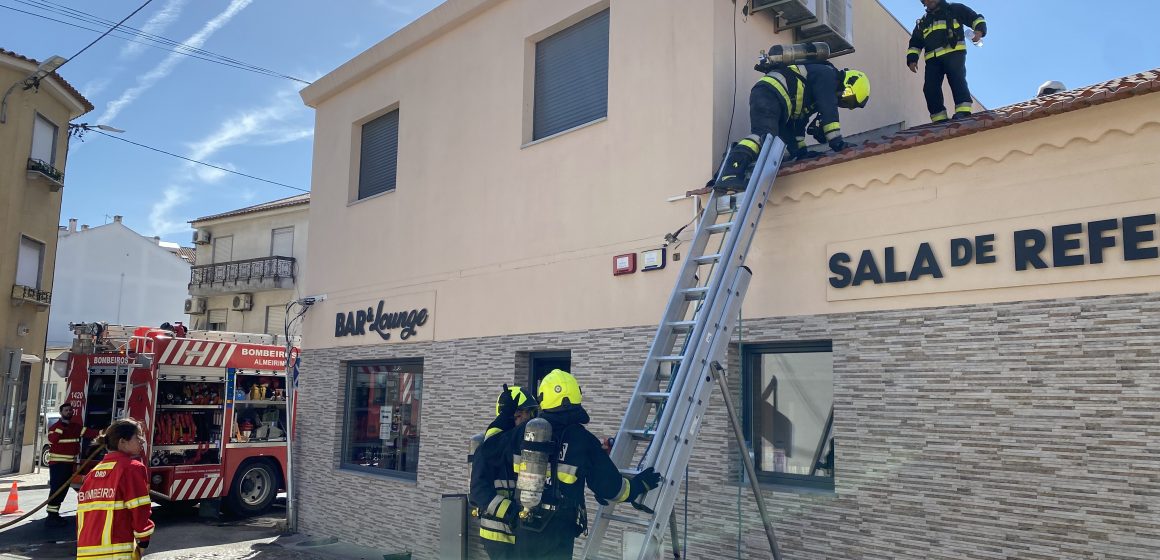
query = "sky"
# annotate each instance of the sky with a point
(256, 124)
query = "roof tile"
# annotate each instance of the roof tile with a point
(64, 83)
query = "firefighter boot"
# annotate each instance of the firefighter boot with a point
(740, 158)
(54, 520)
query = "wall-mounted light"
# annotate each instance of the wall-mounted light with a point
(31, 81)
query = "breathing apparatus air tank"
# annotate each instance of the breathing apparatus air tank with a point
(535, 464)
(780, 55)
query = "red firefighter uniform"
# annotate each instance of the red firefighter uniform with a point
(64, 439)
(113, 509)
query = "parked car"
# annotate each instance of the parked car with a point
(46, 420)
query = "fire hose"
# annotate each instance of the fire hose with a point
(59, 491)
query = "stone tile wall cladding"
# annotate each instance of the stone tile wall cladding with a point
(1027, 430)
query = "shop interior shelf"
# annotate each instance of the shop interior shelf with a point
(189, 406)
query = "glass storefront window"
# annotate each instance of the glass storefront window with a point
(791, 411)
(382, 417)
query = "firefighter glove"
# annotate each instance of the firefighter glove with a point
(643, 482)
(838, 145)
(815, 130)
(505, 407)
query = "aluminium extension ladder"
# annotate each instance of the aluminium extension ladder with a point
(687, 355)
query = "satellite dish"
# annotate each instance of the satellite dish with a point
(60, 364)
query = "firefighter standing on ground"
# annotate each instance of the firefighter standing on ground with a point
(64, 446)
(549, 533)
(492, 480)
(941, 34)
(113, 506)
(781, 104)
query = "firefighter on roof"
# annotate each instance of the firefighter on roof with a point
(492, 480)
(782, 102)
(941, 34)
(113, 506)
(550, 521)
(64, 446)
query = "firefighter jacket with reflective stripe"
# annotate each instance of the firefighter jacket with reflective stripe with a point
(64, 441)
(492, 486)
(940, 31)
(113, 509)
(806, 89)
(578, 461)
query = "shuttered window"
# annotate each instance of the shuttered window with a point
(29, 262)
(276, 319)
(571, 85)
(44, 140)
(217, 319)
(379, 157)
(282, 242)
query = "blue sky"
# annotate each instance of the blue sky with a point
(257, 124)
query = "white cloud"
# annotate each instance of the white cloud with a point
(167, 65)
(161, 213)
(277, 122)
(155, 25)
(94, 87)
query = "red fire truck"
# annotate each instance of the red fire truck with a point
(213, 405)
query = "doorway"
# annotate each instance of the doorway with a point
(540, 364)
(13, 409)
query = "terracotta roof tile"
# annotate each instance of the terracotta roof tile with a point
(1040, 107)
(64, 83)
(272, 205)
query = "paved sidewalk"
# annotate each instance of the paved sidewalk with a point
(31, 481)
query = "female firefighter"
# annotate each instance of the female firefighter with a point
(548, 531)
(113, 504)
(492, 479)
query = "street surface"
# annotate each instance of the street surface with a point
(181, 534)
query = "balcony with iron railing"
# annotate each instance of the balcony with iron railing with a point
(250, 275)
(42, 171)
(27, 294)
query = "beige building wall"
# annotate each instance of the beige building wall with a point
(28, 207)
(480, 210)
(252, 235)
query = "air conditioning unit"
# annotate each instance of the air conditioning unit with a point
(201, 236)
(195, 305)
(834, 25)
(793, 13)
(243, 302)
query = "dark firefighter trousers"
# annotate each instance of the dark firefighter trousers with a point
(59, 474)
(952, 66)
(767, 112)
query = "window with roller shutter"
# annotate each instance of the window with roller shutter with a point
(379, 155)
(571, 81)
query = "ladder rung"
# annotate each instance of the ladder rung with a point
(708, 259)
(640, 434)
(692, 294)
(626, 519)
(671, 358)
(682, 326)
(718, 228)
(656, 396)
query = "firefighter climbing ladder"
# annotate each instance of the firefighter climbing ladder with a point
(687, 355)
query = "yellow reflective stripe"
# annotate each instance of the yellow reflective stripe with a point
(143, 535)
(978, 21)
(800, 99)
(493, 505)
(62, 440)
(830, 127)
(566, 473)
(941, 24)
(750, 144)
(53, 509)
(911, 51)
(105, 466)
(777, 85)
(939, 116)
(59, 430)
(114, 556)
(963, 108)
(105, 549)
(491, 432)
(495, 525)
(496, 536)
(945, 50)
(107, 535)
(624, 491)
(138, 502)
(109, 505)
(59, 457)
(503, 508)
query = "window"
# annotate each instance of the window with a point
(282, 242)
(379, 155)
(382, 417)
(43, 140)
(217, 319)
(29, 262)
(223, 249)
(50, 397)
(571, 79)
(540, 364)
(276, 320)
(791, 412)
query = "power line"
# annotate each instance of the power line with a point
(134, 35)
(200, 162)
(126, 18)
